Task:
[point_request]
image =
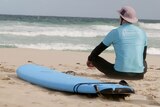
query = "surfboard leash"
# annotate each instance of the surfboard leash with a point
(98, 92)
(75, 88)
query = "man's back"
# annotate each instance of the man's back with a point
(129, 42)
(129, 48)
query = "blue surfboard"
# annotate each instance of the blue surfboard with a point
(53, 79)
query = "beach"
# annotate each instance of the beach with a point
(15, 92)
(64, 43)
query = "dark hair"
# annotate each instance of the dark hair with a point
(123, 12)
(122, 20)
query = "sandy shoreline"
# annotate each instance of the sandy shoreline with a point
(17, 93)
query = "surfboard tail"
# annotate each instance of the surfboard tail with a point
(118, 91)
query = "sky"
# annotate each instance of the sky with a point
(146, 9)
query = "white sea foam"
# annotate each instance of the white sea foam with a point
(155, 26)
(56, 46)
(29, 29)
(56, 30)
(152, 29)
(69, 46)
(153, 51)
(153, 34)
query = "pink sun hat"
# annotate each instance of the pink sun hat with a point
(128, 14)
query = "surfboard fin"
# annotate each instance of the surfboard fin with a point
(118, 93)
(123, 82)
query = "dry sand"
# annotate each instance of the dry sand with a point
(15, 92)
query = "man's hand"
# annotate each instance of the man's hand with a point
(89, 64)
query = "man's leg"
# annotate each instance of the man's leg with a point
(108, 68)
(103, 65)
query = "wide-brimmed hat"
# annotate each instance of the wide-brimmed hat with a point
(128, 14)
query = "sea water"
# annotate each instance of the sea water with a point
(66, 33)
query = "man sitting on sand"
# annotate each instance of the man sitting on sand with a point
(130, 45)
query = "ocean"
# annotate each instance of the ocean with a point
(66, 33)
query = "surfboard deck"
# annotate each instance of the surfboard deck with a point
(53, 79)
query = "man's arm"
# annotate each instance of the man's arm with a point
(98, 50)
(145, 53)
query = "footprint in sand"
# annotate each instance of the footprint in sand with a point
(29, 61)
(158, 69)
(2, 87)
(36, 103)
(151, 100)
(70, 72)
(5, 78)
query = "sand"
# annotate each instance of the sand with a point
(15, 92)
